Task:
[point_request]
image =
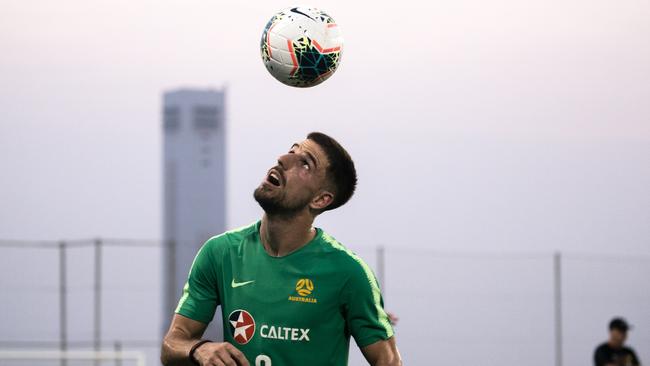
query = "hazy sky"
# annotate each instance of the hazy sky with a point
(474, 124)
(493, 125)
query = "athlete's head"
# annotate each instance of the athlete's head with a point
(316, 174)
(618, 328)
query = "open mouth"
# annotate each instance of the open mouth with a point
(274, 177)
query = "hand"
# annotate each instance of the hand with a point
(392, 318)
(219, 354)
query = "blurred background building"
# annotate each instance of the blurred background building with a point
(194, 155)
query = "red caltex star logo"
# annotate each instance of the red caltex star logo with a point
(242, 326)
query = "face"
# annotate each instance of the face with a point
(297, 182)
(617, 337)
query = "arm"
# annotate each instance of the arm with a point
(382, 353)
(195, 310)
(183, 334)
(368, 323)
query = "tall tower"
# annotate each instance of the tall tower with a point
(194, 158)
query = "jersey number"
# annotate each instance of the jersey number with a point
(262, 360)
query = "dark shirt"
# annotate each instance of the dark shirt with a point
(606, 355)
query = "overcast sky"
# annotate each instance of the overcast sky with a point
(501, 124)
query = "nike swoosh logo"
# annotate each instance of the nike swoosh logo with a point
(295, 10)
(239, 284)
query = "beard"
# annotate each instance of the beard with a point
(278, 204)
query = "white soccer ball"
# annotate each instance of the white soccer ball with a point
(301, 46)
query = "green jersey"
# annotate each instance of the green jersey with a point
(299, 309)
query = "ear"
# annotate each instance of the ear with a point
(322, 200)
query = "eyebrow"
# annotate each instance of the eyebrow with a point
(313, 160)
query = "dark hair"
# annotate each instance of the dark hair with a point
(341, 169)
(619, 324)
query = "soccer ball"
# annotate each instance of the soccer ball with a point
(301, 46)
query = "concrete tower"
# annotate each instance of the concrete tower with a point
(194, 158)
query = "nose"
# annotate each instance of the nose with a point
(287, 161)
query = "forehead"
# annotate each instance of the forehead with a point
(312, 148)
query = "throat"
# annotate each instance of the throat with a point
(283, 237)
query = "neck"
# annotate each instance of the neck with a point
(282, 235)
(614, 344)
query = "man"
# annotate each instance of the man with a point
(612, 352)
(290, 294)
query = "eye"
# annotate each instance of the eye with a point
(305, 164)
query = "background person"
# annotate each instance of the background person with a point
(613, 352)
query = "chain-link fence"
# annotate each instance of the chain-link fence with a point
(461, 308)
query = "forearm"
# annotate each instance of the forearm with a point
(383, 353)
(389, 363)
(394, 361)
(176, 349)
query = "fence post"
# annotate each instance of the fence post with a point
(381, 268)
(97, 298)
(169, 285)
(557, 285)
(117, 346)
(63, 331)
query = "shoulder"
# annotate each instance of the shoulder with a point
(629, 350)
(602, 347)
(230, 238)
(347, 262)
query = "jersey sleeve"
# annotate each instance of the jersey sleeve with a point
(200, 294)
(363, 306)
